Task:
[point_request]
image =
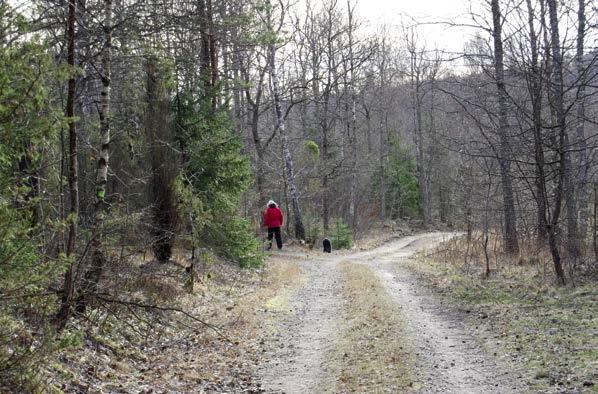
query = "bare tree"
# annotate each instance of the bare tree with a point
(582, 70)
(98, 259)
(68, 288)
(280, 119)
(535, 91)
(563, 141)
(510, 224)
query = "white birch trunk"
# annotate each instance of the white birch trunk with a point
(98, 260)
(288, 158)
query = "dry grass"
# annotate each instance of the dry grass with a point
(470, 258)
(521, 313)
(138, 350)
(373, 356)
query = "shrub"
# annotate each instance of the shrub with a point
(215, 175)
(402, 189)
(27, 119)
(26, 338)
(312, 147)
(232, 238)
(342, 237)
(313, 229)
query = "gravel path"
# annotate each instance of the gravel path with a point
(297, 352)
(447, 358)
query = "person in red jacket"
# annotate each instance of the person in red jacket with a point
(273, 221)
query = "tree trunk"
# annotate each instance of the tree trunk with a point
(595, 231)
(213, 54)
(510, 225)
(558, 97)
(285, 188)
(212, 41)
(325, 204)
(419, 144)
(254, 104)
(487, 224)
(535, 90)
(204, 58)
(322, 117)
(288, 158)
(98, 260)
(431, 150)
(164, 213)
(443, 203)
(31, 179)
(351, 126)
(368, 129)
(324, 157)
(259, 150)
(68, 288)
(382, 159)
(584, 163)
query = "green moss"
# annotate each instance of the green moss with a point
(62, 371)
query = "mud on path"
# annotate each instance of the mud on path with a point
(301, 351)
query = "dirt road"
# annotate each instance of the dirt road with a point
(321, 333)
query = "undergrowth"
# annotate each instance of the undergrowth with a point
(200, 341)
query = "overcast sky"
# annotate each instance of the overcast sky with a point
(392, 12)
(432, 16)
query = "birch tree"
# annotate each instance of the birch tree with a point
(98, 259)
(280, 121)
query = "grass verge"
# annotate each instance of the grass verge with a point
(370, 350)
(520, 316)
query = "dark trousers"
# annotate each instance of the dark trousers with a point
(276, 232)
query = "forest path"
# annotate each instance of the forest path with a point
(296, 360)
(303, 355)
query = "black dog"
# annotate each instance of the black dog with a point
(327, 245)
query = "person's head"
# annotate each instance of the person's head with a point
(271, 204)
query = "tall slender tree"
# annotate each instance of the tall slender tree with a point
(510, 220)
(582, 70)
(280, 121)
(535, 92)
(98, 259)
(73, 218)
(556, 84)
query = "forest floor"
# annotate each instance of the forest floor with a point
(377, 318)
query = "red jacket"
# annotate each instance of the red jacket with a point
(273, 217)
